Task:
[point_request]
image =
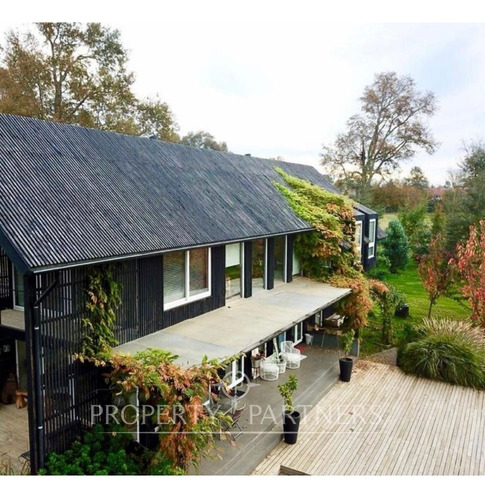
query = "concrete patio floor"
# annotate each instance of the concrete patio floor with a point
(261, 420)
(14, 435)
(387, 423)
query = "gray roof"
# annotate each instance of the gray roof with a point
(70, 194)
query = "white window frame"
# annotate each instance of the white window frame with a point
(237, 367)
(371, 252)
(14, 290)
(359, 241)
(188, 298)
(285, 259)
(265, 264)
(241, 264)
(297, 333)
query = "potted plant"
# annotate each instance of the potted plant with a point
(346, 362)
(291, 417)
(402, 307)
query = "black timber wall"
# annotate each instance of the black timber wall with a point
(71, 388)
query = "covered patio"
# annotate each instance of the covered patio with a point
(12, 319)
(261, 420)
(243, 324)
(14, 435)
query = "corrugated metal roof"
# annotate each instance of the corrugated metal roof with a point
(70, 194)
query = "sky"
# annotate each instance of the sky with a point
(282, 81)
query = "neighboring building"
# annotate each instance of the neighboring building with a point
(191, 230)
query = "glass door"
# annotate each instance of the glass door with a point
(297, 333)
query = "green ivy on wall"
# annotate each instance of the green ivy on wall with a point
(329, 253)
(102, 299)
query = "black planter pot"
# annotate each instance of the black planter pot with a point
(346, 365)
(291, 424)
(402, 312)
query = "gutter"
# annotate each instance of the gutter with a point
(154, 253)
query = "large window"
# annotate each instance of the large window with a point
(186, 276)
(372, 238)
(358, 236)
(280, 259)
(234, 259)
(258, 265)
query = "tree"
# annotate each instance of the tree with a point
(76, 73)
(414, 223)
(417, 179)
(390, 128)
(395, 246)
(435, 271)
(204, 140)
(465, 204)
(471, 266)
(155, 118)
(394, 196)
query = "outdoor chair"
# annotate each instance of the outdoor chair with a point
(235, 429)
(269, 369)
(291, 354)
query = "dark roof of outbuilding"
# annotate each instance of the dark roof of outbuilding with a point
(69, 194)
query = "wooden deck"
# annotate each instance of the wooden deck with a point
(14, 434)
(12, 319)
(387, 423)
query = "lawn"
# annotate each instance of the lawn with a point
(408, 281)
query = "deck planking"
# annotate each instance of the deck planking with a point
(425, 428)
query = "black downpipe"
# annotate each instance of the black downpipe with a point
(36, 351)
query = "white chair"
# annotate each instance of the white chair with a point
(269, 369)
(291, 354)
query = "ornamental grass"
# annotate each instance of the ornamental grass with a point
(450, 351)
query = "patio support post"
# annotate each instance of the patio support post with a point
(29, 297)
(289, 257)
(248, 273)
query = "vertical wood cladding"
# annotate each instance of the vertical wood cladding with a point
(150, 294)
(69, 387)
(6, 297)
(216, 300)
(270, 263)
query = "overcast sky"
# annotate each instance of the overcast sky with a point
(283, 86)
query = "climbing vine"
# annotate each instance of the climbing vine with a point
(329, 253)
(102, 299)
(175, 396)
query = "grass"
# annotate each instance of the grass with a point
(408, 281)
(388, 217)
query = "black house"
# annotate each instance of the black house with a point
(191, 230)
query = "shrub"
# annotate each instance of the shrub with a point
(451, 351)
(395, 247)
(382, 268)
(102, 452)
